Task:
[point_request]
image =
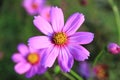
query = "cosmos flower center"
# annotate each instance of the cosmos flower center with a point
(59, 38)
(47, 15)
(34, 5)
(33, 58)
(101, 73)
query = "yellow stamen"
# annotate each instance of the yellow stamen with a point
(60, 38)
(33, 58)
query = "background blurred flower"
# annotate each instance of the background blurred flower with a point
(45, 12)
(101, 72)
(84, 70)
(83, 2)
(33, 7)
(113, 48)
(62, 41)
(1, 55)
(28, 61)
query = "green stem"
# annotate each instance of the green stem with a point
(117, 17)
(68, 76)
(76, 75)
(48, 76)
(98, 56)
(36, 78)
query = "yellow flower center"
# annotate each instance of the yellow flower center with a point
(60, 38)
(33, 58)
(34, 5)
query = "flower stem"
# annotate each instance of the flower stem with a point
(48, 76)
(98, 56)
(76, 75)
(68, 76)
(117, 17)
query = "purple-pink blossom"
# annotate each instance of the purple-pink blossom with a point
(28, 61)
(45, 12)
(113, 48)
(101, 71)
(33, 7)
(84, 69)
(61, 41)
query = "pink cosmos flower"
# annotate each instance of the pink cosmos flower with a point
(113, 48)
(61, 41)
(101, 71)
(83, 2)
(28, 61)
(33, 6)
(1, 55)
(45, 12)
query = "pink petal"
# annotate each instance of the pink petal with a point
(17, 57)
(38, 42)
(41, 70)
(23, 49)
(57, 19)
(50, 56)
(79, 52)
(43, 25)
(31, 72)
(73, 23)
(65, 60)
(45, 13)
(81, 38)
(27, 5)
(32, 50)
(41, 2)
(22, 68)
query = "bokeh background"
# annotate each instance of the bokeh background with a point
(16, 26)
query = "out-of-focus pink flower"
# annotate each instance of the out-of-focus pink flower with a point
(84, 2)
(28, 61)
(61, 41)
(84, 70)
(45, 13)
(1, 55)
(101, 71)
(33, 6)
(113, 48)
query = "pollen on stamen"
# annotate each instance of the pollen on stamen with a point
(60, 38)
(33, 58)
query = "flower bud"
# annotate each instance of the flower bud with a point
(113, 48)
